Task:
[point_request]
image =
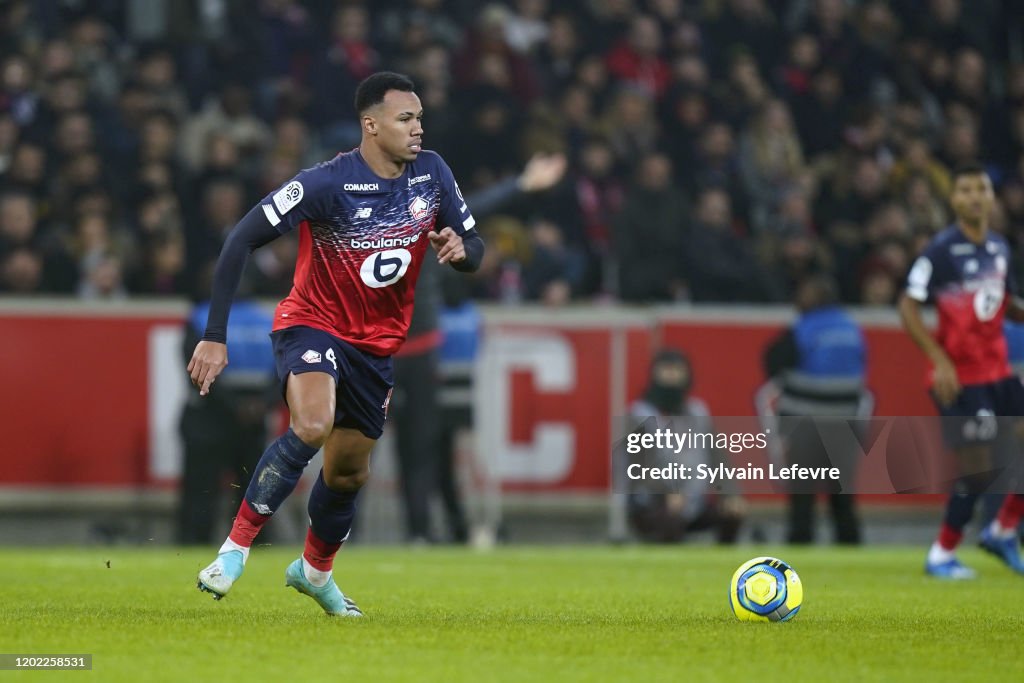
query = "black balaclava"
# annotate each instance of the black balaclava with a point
(669, 398)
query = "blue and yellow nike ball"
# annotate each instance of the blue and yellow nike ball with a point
(765, 589)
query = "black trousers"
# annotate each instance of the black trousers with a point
(416, 413)
(453, 419)
(221, 453)
(425, 442)
(807, 449)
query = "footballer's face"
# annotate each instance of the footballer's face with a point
(973, 198)
(397, 123)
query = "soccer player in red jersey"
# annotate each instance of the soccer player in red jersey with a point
(965, 272)
(364, 220)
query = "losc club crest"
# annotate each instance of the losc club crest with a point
(418, 208)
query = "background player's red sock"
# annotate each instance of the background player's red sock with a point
(949, 538)
(1010, 513)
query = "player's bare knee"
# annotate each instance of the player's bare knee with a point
(347, 481)
(312, 428)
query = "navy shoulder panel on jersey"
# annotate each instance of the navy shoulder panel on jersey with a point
(309, 195)
(934, 268)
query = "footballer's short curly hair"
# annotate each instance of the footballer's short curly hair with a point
(373, 88)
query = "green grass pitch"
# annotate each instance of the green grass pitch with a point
(515, 614)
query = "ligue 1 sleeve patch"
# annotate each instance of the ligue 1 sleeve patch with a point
(288, 197)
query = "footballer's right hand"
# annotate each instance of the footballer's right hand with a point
(944, 382)
(208, 360)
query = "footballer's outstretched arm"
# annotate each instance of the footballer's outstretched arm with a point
(946, 384)
(211, 354)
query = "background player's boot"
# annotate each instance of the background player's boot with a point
(221, 574)
(1006, 549)
(328, 596)
(950, 569)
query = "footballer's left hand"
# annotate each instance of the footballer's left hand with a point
(448, 245)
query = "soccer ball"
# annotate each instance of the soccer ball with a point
(765, 589)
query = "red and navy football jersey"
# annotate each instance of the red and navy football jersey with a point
(969, 284)
(362, 239)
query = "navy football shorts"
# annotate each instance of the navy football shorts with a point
(364, 381)
(972, 417)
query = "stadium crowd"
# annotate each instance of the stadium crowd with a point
(719, 149)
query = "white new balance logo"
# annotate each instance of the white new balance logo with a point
(364, 212)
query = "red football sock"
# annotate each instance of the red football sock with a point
(1011, 511)
(949, 538)
(247, 524)
(319, 553)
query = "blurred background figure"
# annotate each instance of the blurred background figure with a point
(819, 364)
(225, 432)
(424, 427)
(672, 513)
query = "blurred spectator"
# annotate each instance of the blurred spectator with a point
(803, 61)
(720, 265)
(27, 169)
(829, 21)
(819, 113)
(162, 268)
(925, 210)
(744, 92)
(717, 165)
(855, 193)
(102, 277)
(223, 205)
(559, 54)
(637, 59)
(670, 513)
(349, 58)
(492, 126)
(819, 364)
(16, 93)
(229, 114)
(630, 126)
(487, 58)
(743, 24)
(526, 28)
(650, 236)
(156, 73)
(917, 160)
(21, 270)
(555, 269)
(686, 114)
(771, 161)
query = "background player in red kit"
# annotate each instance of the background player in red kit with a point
(965, 272)
(364, 220)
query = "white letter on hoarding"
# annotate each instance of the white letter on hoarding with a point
(550, 358)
